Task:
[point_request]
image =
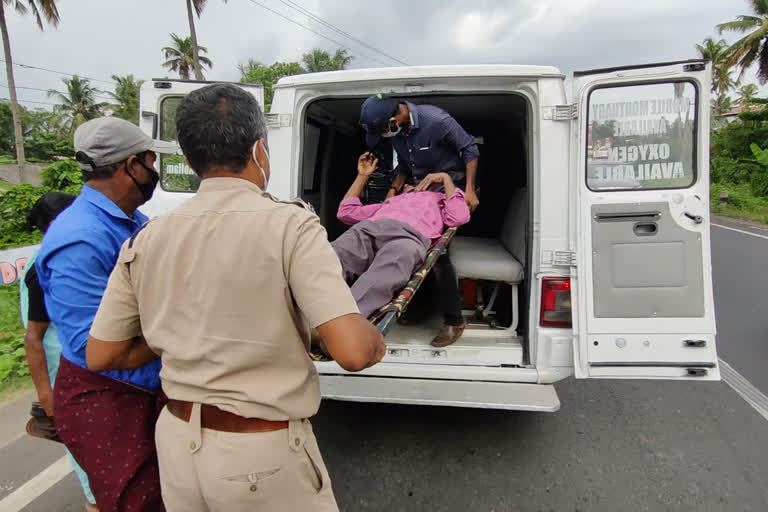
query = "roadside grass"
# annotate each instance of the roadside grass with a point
(741, 203)
(14, 373)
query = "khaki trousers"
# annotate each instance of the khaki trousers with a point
(208, 470)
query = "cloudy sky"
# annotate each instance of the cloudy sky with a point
(99, 38)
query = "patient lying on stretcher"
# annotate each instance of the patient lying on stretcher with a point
(389, 240)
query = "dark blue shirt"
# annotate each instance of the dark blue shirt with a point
(434, 142)
(77, 256)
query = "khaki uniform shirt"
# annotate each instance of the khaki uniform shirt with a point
(224, 289)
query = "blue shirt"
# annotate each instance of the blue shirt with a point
(434, 142)
(77, 256)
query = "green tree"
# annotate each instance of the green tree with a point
(43, 131)
(40, 9)
(46, 135)
(126, 98)
(746, 93)
(721, 104)
(256, 73)
(317, 60)
(753, 47)
(715, 51)
(180, 56)
(198, 6)
(78, 103)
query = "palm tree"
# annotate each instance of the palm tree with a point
(754, 46)
(199, 6)
(722, 104)
(715, 51)
(78, 104)
(40, 9)
(126, 96)
(746, 93)
(181, 56)
(318, 60)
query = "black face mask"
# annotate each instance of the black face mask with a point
(146, 189)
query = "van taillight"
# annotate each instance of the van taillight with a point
(555, 302)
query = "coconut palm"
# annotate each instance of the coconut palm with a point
(180, 56)
(746, 93)
(78, 104)
(753, 47)
(722, 104)
(318, 60)
(199, 6)
(715, 51)
(41, 9)
(126, 97)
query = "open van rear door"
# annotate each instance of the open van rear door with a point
(158, 101)
(643, 305)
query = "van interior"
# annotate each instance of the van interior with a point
(490, 253)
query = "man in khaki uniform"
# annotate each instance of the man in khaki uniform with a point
(224, 289)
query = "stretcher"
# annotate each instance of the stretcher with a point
(386, 316)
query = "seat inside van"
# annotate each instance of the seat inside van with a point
(489, 253)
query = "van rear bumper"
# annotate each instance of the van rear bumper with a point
(450, 393)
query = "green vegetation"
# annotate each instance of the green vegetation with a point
(41, 10)
(741, 203)
(78, 104)
(180, 57)
(17, 200)
(315, 60)
(13, 364)
(126, 98)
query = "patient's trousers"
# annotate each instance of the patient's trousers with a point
(378, 258)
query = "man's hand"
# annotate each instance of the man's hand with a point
(366, 164)
(472, 201)
(381, 351)
(435, 178)
(46, 401)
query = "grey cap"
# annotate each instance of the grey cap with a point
(109, 140)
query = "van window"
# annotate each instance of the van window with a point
(642, 136)
(175, 175)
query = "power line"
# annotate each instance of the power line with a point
(306, 12)
(341, 45)
(39, 102)
(60, 72)
(46, 90)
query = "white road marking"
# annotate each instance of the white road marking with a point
(742, 386)
(764, 237)
(35, 487)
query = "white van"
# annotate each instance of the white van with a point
(591, 240)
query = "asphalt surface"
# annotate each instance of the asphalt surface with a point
(614, 445)
(740, 281)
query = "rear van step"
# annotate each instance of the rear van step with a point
(452, 393)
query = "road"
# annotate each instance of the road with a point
(614, 445)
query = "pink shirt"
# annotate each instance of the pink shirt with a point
(427, 212)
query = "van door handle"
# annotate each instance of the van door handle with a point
(646, 229)
(698, 219)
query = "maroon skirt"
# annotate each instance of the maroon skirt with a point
(109, 426)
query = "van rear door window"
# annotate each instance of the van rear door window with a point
(175, 175)
(642, 136)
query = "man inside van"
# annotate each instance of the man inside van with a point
(389, 240)
(427, 141)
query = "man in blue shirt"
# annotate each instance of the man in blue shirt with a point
(77, 256)
(428, 141)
